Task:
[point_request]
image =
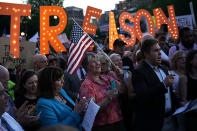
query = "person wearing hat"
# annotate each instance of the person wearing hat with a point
(119, 49)
(127, 66)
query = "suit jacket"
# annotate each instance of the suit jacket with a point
(54, 112)
(71, 85)
(150, 93)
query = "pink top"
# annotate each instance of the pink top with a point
(113, 75)
(111, 113)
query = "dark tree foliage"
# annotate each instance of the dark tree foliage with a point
(181, 6)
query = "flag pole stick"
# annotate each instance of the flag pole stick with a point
(97, 46)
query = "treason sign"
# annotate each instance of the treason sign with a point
(50, 33)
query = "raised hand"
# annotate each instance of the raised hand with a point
(81, 106)
(23, 116)
(118, 71)
(169, 80)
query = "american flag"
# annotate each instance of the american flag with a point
(79, 47)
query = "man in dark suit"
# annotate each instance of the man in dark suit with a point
(71, 85)
(151, 83)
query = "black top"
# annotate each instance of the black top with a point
(21, 99)
(128, 63)
(191, 88)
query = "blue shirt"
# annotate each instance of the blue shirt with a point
(161, 75)
(54, 112)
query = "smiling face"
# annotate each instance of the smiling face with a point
(154, 56)
(31, 85)
(94, 66)
(117, 60)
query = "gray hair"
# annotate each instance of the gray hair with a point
(3, 72)
(113, 55)
(88, 57)
(103, 57)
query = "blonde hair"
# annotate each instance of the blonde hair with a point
(174, 59)
(103, 57)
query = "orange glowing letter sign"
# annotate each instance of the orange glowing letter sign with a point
(127, 28)
(16, 11)
(91, 11)
(49, 33)
(162, 19)
(113, 34)
(150, 22)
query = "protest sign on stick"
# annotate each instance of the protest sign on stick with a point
(27, 51)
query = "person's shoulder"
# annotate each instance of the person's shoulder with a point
(44, 101)
(64, 93)
(173, 47)
(140, 67)
(87, 82)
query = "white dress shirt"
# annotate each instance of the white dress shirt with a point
(11, 122)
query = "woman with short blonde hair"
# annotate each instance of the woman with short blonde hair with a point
(178, 67)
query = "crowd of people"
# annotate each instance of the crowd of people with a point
(137, 88)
